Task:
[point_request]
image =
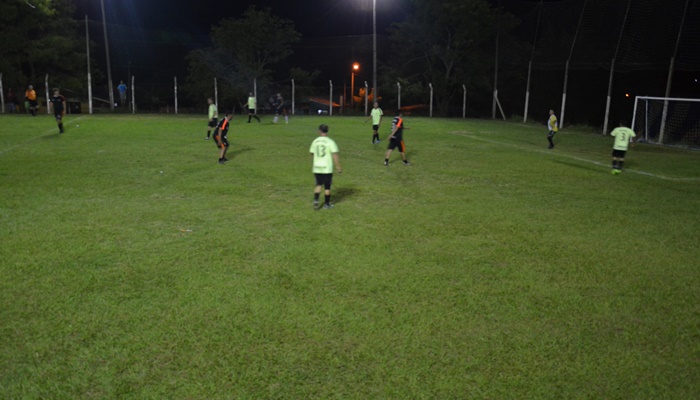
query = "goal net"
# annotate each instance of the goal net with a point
(671, 121)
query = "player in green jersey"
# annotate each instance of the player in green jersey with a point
(324, 153)
(623, 136)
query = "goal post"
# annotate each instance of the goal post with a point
(667, 120)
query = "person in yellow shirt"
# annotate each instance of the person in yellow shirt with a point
(553, 127)
(30, 97)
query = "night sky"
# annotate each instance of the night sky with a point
(313, 18)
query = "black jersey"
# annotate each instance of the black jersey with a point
(57, 102)
(222, 128)
(397, 124)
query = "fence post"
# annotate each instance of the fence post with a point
(366, 97)
(176, 95)
(133, 96)
(46, 84)
(216, 93)
(293, 93)
(431, 99)
(398, 85)
(464, 102)
(255, 94)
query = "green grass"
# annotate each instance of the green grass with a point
(490, 268)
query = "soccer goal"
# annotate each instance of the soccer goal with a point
(665, 120)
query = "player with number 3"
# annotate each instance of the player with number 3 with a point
(324, 152)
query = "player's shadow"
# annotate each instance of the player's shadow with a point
(240, 150)
(343, 193)
(51, 136)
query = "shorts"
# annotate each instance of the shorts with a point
(325, 180)
(221, 142)
(394, 143)
(33, 103)
(619, 153)
(251, 111)
(375, 127)
(213, 123)
(551, 134)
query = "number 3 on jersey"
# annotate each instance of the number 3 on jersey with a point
(321, 150)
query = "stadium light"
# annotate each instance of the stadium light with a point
(355, 68)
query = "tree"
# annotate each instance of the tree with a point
(244, 49)
(447, 43)
(39, 37)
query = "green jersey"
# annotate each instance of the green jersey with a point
(622, 137)
(252, 102)
(323, 148)
(213, 112)
(376, 116)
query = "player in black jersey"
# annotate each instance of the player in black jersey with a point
(221, 137)
(58, 102)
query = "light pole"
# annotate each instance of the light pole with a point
(374, 45)
(109, 66)
(355, 68)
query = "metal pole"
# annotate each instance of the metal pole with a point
(109, 65)
(527, 91)
(374, 46)
(431, 99)
(495, 77)
(175, 83)
(366, 97)
(216, 94)
(255, 94)
(464, 102)
(566, 73)
(293, 94)
(46, 85)
(398, 84)
(89, 76)
(607, 103)
(133, 97)
(352, 89)
(330, 100)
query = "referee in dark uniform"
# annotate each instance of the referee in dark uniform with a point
(58, 102)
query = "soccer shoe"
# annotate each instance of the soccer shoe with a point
(316, 207)
(224, 159)
(221, 161)
(616, 172)
(206, 138)
(406, 163)
(551, 146)
(327, 206)
(386, 163)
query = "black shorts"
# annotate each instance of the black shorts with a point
(213, 123)
(551, 133)
(221, 142)
(394, 143)
(325, 180)
(619, 153)
(251, 111)
(375, 127)
(33, 103)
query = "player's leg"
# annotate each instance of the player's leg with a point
(256, 116)
(317, 189)
(549, 138)
(277, 117)
(327, 185)
(59, 122)
(403, 153)
(286, 116)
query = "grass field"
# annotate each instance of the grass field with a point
(132, 265)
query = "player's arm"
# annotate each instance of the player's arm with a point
(63, 113)
(336, 162)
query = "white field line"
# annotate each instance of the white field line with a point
(26, 142)
(556, 154)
